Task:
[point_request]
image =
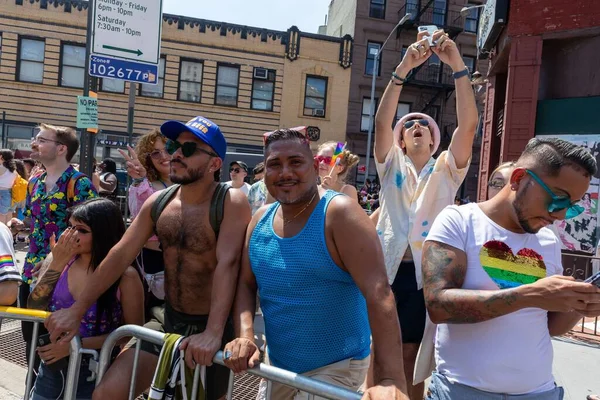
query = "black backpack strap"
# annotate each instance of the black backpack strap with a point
(161, 202)
(217, 207)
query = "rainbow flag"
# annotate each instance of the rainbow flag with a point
(337, 153)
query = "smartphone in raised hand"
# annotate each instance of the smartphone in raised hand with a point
(430, 29)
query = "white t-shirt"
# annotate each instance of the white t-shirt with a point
(7, 179)
(244, 188)
(8, 267)
(512, 353)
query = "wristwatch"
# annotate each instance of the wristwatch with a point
(460, 74)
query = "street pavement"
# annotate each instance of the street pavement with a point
(576, 366)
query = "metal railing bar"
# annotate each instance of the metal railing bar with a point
(269, 372)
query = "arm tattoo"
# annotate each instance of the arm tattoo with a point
(443, 277)
(40, 297)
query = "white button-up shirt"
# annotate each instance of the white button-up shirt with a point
(411, 201)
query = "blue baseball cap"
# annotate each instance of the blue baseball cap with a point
(204, 129)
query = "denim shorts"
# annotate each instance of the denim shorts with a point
(50, 384)
(5, 201)
(442, 389)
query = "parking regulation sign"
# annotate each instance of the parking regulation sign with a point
(129, 30)
(126, 40)
(114, 68)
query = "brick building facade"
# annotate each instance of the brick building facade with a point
(544, 58)
(248, 80)
(430, 90)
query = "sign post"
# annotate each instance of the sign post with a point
(124, 44)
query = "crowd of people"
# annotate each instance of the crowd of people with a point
(417, 287)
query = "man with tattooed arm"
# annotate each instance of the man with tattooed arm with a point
(492, 280)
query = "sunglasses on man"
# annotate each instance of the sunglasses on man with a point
(558, 203)
(236, 170)
(187, 149)
(411, 123)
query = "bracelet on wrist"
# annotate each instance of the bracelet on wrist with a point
(396, 77)
(461, 73)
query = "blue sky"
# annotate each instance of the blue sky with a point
(272, 14)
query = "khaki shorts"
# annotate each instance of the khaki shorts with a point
(349, 373)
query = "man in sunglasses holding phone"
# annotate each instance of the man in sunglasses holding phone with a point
(492, 276)
(201, 263)
(415, 187)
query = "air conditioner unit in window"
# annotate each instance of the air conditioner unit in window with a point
(261, 73)
(318, 112)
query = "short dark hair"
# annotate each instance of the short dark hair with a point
(550, 155)
(66, 136)
(29, 162)
(285, 134)
(259, 168)
(20, 166)
(110, 165)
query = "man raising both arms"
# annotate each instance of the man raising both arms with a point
(415, 187)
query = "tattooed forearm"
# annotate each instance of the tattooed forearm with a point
(444, 270)
(40, 297)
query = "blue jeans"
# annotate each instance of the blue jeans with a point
(50, 384)
(442, 389)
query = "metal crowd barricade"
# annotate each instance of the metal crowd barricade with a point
(311, 386)
(37, 317)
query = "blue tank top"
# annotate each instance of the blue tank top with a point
(314, 313)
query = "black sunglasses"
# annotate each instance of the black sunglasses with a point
(409, 124)
(187, 149)
(236, 170)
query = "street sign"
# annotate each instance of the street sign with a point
(87, 112)
(109, 67)
(128, 30)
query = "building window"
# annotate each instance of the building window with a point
(439, 12)
(366, 109)
(263, 89)
(372, 50)
(377, 9)
(72, 67)
(227, 85)
(315, 96)
(470, 63)
(412, 7)
(401, 111)
(31, 60)
(150, 90)
(112, 85)
(190, 80)
(472, 19)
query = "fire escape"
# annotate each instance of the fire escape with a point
(432, 74)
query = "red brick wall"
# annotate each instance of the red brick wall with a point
(534, 17)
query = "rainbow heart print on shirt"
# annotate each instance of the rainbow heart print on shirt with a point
(508, 270)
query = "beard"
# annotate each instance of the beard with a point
(191, 175)
(299, 199)
(519, 205)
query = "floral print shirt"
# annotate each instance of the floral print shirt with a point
(257, 196)
(48, 212)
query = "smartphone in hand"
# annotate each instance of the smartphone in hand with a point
(59, 365)
(594, 279)
(430, 29)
